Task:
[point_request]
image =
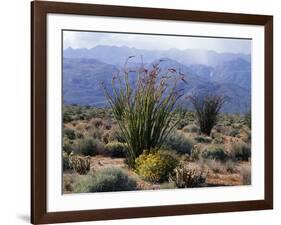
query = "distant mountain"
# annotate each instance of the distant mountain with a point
(236, 71)
(82, 81)
(83, 76)
(117, 55)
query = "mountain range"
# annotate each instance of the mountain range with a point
(207, 73)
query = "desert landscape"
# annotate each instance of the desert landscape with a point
(136, 119)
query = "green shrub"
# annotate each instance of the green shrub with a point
(68, 145)
(214, 152)
(112, 135)
(248, 118)
(155, 166)
(96, 122)
(233, 133)
(90, 146)
(196, 152)
(207, 111)
(69, 133)
(203, 139)
(185, 177)
(65, 160)
(218, 140)
(178, 143)
(192, 128)
(240, 150)
(115, 149)
(246, 175)
(105, 180)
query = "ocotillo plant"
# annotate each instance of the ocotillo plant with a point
(144, 111)
(207, 109)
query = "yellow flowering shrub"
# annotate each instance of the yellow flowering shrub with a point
(155, 166)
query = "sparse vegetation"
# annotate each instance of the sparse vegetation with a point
(178, 143)
(115, 149)
(143, 140)
(105, 180)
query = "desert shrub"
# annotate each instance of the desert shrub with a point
(69, 133)
(246, 175)
(234, 132)
(155, 166)
(217, 166)
(203, 139)
(96, 133)
(218, 140)
(248, 118)
(68, 145)
(115, 149)
(144, 110)
(178, 142)
(207, 111)
(196, 152)
(65, 160)
(192, 128)
(113, 134)
(105, 180)
(167, 185)
(230, 166)
(245, 135)
(79, 164)
(185, 177)
(96, 122)
(90, 146)
(240, 150)
(214, 152)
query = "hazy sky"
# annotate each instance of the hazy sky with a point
(76, 39)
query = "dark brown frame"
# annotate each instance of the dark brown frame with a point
(39, 11)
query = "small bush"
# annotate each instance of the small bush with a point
(220, 167)
(115, 135)
(115, 149)
(90, 146)
(96, 122)
(240, 150)
(179, 143)
(192, 128)
(207, 110)
(203, 139)
(105, 180)
(65, 160)
(155, 166)
(196, 152)
(218, 140)
(69, 133)
(246, 175)
(234, 133)
(185, 177)
(214, 152)
(68, 145)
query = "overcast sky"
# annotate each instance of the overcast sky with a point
(76, 39)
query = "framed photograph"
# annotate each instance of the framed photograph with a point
(144, 112)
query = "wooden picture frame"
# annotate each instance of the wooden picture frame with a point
(39, 11)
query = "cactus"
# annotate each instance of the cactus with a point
(80, 164)
(185, 177)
